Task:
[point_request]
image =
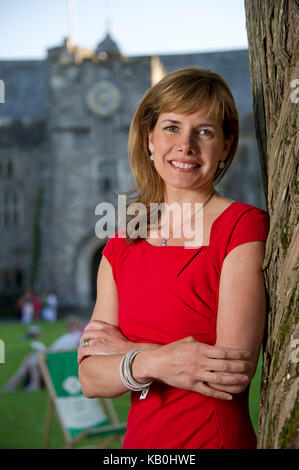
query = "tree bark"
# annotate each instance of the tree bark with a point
(273, 52)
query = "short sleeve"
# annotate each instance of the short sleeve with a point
(252, 225)
(109, 250)
(114, 251)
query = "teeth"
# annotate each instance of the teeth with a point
(183, 165)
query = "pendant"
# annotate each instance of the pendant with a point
(144, 393)
(164, 243)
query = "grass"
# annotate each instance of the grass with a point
(22, 414)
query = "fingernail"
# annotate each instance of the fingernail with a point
(229, 398)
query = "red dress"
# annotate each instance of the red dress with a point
(167, 294)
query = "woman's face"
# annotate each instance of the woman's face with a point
(195, 140)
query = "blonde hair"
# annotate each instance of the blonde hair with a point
(185, 91)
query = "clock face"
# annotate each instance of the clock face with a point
(103, 98)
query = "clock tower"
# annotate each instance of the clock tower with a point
(103, 98)
(92, 99)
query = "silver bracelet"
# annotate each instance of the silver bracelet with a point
(125, 373)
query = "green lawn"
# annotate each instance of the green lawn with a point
(22, 414)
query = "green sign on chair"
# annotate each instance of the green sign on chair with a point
(78, 416)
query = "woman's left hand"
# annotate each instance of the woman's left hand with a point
(104, 339)
(238, 388)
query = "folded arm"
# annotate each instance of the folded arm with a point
(98, 362)
(187, 363)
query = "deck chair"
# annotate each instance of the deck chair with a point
(79, 417)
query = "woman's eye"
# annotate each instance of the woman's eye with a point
(172, 128)
(205, 132)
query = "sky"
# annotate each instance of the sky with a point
(140, 27)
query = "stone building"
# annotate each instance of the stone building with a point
(63, 150)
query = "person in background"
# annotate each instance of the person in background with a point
(30, 369)
(49, 312)
(37, 306)
(25, 303)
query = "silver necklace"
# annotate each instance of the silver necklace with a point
(165, 240)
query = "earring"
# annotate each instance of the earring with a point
(221, 164)
(152, 156)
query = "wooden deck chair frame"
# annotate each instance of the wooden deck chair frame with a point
(115, 431)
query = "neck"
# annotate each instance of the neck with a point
(181, 196)
(204, 198)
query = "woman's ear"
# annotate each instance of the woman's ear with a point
(150, 141)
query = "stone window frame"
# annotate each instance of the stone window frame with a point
(103, 169)
(12, 279)
(11, 208)
(7, 166)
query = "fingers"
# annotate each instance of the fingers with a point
(226, 365)
(229, 388)
(219, 379)
(84, 351)
(205, 389)
(94, 347)
(92, 335)
(90, 351)
(99, 325)
(94, 328)
(81, 354)
(216, 352)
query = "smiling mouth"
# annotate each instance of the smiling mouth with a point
(184, 166)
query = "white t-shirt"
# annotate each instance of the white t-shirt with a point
(68, 341)
(52, 300)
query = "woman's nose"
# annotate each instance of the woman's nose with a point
(187, 145)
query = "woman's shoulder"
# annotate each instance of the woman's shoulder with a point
(244, 207)
(248, 223)
(222, 203)
(118, 240)
(116, 249)
(235, 210)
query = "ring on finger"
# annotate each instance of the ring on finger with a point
(84, 343)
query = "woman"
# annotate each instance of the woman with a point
(196, 315)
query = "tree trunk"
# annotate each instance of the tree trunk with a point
(273, 52)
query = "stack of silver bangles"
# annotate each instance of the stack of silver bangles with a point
(125, 372)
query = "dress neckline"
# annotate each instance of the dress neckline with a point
(198, 247)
